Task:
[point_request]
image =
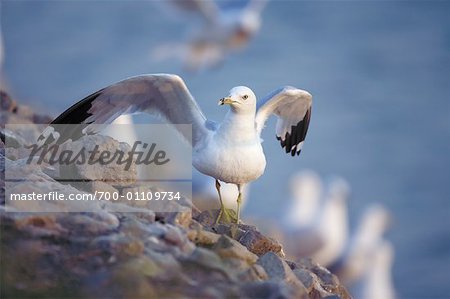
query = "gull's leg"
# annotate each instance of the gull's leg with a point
(239, 203)
(222, 207)
(223, 211)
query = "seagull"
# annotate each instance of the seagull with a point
(370, 231)
(377, 281)
(306, 191)
(324, 236)
(229, 151)
(222, 29)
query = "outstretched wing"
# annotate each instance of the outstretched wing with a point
(293, 108)
(163, 95)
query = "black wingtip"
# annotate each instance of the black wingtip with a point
(288, 142)
(297, 135)
(78, 112)
(293, 153)
(75, 115)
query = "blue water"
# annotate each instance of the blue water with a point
(379, 72)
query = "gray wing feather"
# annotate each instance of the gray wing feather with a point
(292, 106)
(162, 95)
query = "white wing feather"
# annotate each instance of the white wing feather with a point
(293, 108)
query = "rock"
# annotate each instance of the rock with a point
(207, 218)
(126, 211)
(206, 258)
(22, 127)
(182, 218)
(270, 289)
(39, 224)
(260, 244)
(112, 173)
(319, 281)
(87, 224)
(278, 270)
(306, 278)
(11, 139)
(254, 273)
(247, 235)
(202, 237)
(229, 248)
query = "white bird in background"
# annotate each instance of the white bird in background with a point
(229, 151)
(377, 281)
(224, 27)
(306, 190)
(370, 231)
(325, 235)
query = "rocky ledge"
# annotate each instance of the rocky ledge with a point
(134, 252)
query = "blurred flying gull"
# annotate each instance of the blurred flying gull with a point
(224, 27)
(323, 233)
(230, 151)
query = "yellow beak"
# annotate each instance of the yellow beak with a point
(225, 101)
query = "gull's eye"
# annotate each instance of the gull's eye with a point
(245, 97)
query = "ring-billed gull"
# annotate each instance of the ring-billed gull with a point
(370, 231)
(305, 193)
(224, 27)
(377, 281)
(229, 151)
(324, 237)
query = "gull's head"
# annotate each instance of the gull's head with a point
(240, 99)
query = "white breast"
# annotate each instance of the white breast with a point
(236, 163)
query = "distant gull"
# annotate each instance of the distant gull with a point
(229, 151)
(370, 231)
(306, 191)
(224, 27)
(377, 281)
(324, 235)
